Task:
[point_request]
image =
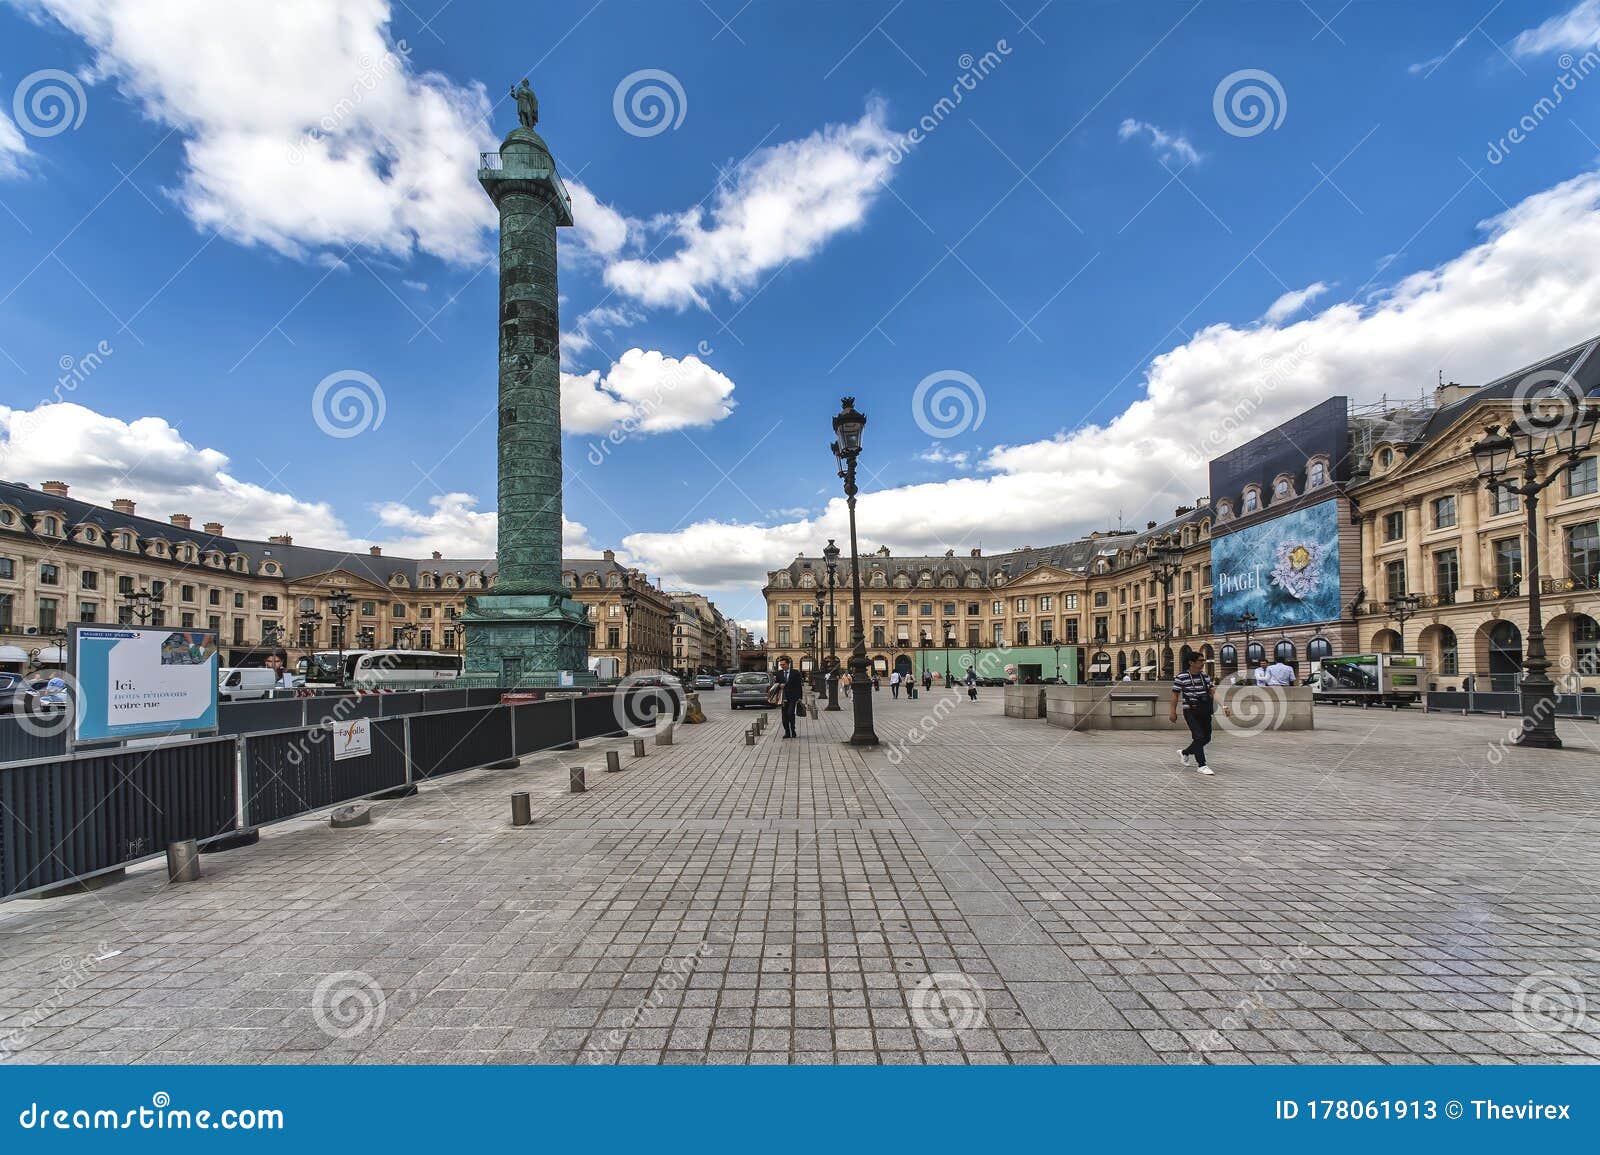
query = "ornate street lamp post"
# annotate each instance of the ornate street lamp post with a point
(830, 556)
(1247, 624)
(1159, 633)
(1563, 423)
(339, 607)
(1401, 610)
(630, 598)
(1057, 648)
(142, 604)
(1166, 561)
(816, 640)
(847, 426)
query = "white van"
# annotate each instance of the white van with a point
(236, 683)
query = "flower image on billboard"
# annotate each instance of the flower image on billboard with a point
(1285, 571)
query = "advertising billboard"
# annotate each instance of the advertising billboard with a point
(1284, 570)
(135, 681)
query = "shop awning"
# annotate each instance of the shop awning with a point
(13, 654)
(52, 656)
(1099, 667)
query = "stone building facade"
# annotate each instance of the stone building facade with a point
(65, 560)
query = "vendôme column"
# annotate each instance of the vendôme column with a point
(528, 631)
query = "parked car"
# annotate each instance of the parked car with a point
(705, 682)
(724, 679)
(12, 691)
(237, 683)
(750, 688)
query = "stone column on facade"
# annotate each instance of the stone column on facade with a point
(1471, 550)
(1417, 579)
(1369, 563)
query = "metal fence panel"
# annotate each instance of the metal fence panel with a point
(484, 696)
(445, 743)
(543, 725)
(448, 700)
(596, 716)
(293, 773)
(404, 702)
(18, 744)
(63, 820)
(268, 714)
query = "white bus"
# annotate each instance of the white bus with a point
(367, 668)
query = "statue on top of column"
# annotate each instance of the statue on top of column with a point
(527, 104)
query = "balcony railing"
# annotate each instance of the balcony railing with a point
(1569, 584)
(1497, 593)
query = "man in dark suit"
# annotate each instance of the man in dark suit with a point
(792, 688)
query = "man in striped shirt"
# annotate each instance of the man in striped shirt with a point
(1193, 690)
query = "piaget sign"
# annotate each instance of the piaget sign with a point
(134, 682)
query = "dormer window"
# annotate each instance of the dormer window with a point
(1252, 500)
(1317, 473)
(614, 581)
(1385, 457)
(1282, 487)
(474, 580)
(7, 518)
(1224, 510)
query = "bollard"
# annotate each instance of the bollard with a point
(613, 760)
(638, 747)
(664, 735)
(521, 810)
(183, 861)
(575, 780)
(750, 736)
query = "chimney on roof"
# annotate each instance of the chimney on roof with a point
(214, 528)
(122, 505)
(437, 556)
(281, 539)
(181, 520)
(1149, 525)
(375, 550)
(610, 555)
(55, 488)
(1449, 393)
(977, 553)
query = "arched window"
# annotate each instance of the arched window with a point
(1228, 656)
(1449, 657)
(1254, 652)
(1252, 500)
(1318, 648)
(1316, 476)
(1585, 646)
(1284, 652)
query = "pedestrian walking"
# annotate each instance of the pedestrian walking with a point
(844, 683)
(972, 684)
(791, 688)
(927, 680)
(1280, 673)
(1195, 692)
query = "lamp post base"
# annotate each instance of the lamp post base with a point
(1538, 740)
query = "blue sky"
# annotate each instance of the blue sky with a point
(1093, 248)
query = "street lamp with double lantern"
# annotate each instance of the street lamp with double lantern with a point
(847, 426)
(830, 557)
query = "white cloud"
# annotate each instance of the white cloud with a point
(13, 149)
(645, 392)
(941, 454)
(1169, 147)
(416, 286)
(1530, 288)
(1427, 66)
(780, 204)
(148, 460)
(304, 126)
(601, 320)
(1292, 302)
(1578, 28)
(597, 226)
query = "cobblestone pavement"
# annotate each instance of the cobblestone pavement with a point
(1392, 888)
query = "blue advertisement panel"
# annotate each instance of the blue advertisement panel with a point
(1285, 570)
(135, 682)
